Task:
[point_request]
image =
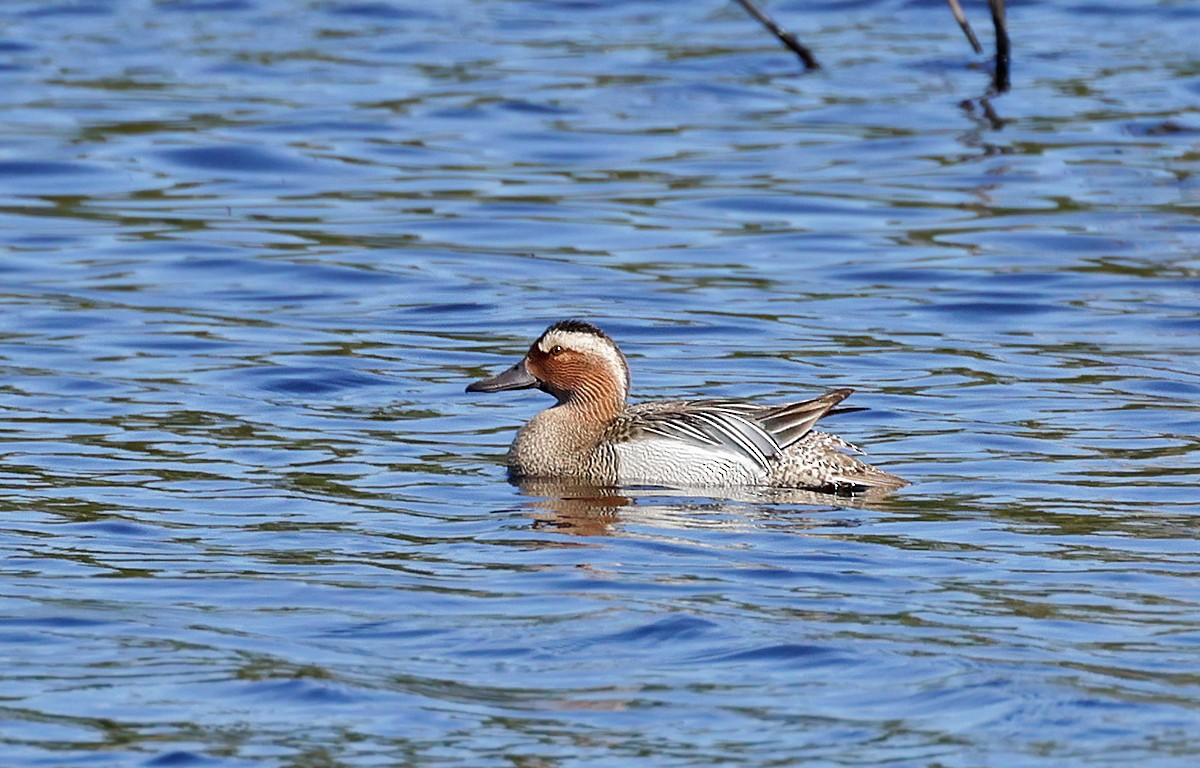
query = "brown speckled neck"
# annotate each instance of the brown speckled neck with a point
(597, 402)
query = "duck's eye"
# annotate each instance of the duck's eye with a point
(556, 350)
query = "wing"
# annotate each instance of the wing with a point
(721, 424)
(753, 432)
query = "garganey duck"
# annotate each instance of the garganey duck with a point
(592, 435)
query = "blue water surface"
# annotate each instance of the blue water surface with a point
(251, 251)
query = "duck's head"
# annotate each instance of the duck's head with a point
(574, 361)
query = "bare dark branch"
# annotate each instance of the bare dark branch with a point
(1000, 78)
(956, 9)
(785, 37)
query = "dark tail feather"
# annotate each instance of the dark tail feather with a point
(788, 423)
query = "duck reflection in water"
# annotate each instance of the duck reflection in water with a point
(588, 510)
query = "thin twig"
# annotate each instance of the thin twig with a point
(956, 9)
(999, 20)
(785, 37)
(993, 118)
(994, 121)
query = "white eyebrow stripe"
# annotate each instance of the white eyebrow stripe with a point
(584, 342)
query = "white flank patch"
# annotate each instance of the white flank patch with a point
(662, 461)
